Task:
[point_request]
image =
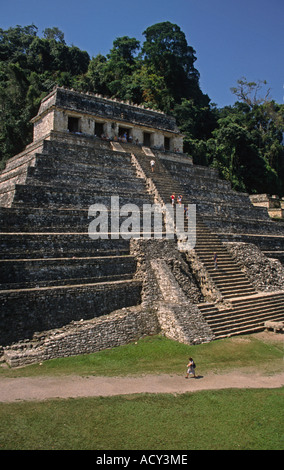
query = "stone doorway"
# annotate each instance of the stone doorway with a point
(167, 143)
(99, 129)
(73, 124)
(147, 139)
(124, 133)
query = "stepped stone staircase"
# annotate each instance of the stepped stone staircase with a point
(243, 310)
(228, 213)
(247, 314)
(227, 276)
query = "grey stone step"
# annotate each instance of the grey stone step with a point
(247, 315)
(228, 315)
(54, 271)
(248, 324)
(62, 245)
(39, 196)
(22, 218)
(13, 286)
(38, 309)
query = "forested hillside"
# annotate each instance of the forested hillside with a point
(244, 141)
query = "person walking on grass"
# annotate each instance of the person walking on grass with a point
(190, 368)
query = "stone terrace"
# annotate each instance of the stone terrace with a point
(52, 272)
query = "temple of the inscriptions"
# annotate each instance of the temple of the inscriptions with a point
(93, 115)
(64, 292)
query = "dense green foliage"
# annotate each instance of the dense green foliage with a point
(243, 141)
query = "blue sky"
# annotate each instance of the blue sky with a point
(232, 39)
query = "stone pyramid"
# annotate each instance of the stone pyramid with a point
(66, 291)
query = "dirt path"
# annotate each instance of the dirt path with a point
(42, 388)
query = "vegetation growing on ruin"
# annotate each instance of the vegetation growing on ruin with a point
(244, 141)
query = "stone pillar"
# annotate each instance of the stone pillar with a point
(111, 129)
(60, 121)
(87, 125)
(137, 134)
(177, 144)
(158, 140)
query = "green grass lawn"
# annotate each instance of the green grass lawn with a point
(205, 420)
(157, 354)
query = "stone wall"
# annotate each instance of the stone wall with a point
(170, 290)
(265, 274)
(43, 125)
(147, 251)
(179, 318)
(39, 309)
(84, 337)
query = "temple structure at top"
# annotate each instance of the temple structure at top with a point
(88, 114)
